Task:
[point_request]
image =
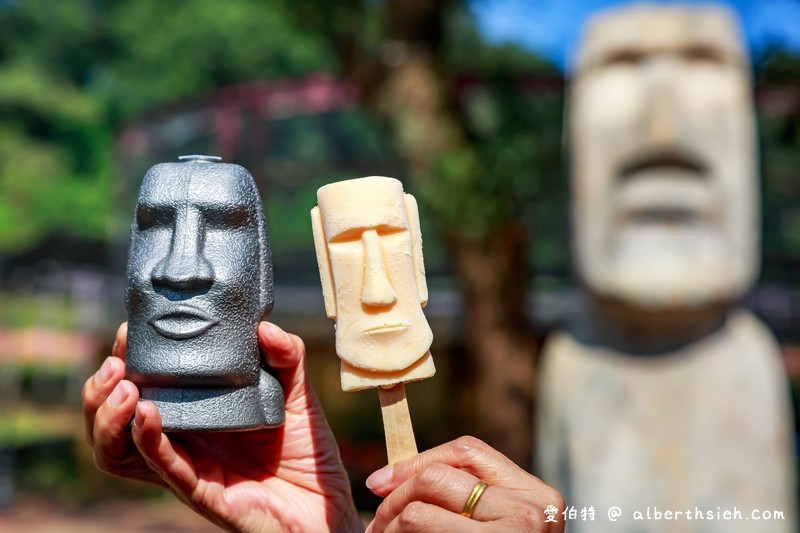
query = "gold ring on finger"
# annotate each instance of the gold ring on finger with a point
(474, 496)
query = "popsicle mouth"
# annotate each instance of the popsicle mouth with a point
(183, 322)
(385, 328)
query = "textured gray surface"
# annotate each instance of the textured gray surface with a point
(199, 281)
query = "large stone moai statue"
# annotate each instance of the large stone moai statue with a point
(667, 394)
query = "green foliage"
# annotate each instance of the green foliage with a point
(510, 171)
(172, 51)
(64, 39)
(512, 168)
(55, 144)
(465, 52)
(24, 426)
(24, 311)
(780, 161)
(307, 152)
(71, 71)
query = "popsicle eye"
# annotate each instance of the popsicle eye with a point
(385, 229)
(355, 234)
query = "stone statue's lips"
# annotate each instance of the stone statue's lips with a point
(183, 322)
(676, 159)
(665, 187)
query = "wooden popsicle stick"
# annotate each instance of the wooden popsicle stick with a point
(400, 441)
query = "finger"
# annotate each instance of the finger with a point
(465, 453)
(424, 517)
(96, 390)
(166, 458)
(112, 444)
(286, 354)
(447, 488)
(280, 350)
(120, 341)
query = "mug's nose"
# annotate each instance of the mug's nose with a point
(185, 268)
(377, 290)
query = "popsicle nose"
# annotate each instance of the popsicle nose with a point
(377, 290)
(184, 268)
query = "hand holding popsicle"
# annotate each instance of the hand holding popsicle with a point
(369, 251)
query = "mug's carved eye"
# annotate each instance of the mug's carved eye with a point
(149, 216)
(232, 217)
(145, 218)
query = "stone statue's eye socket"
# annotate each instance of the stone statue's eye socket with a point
(233, 217)
(703, 54)
(624, 58)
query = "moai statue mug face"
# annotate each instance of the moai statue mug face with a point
(199, 282)
(665, 195)
(369, 250)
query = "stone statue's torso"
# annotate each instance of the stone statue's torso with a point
(705, 427)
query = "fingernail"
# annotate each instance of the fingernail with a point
(104, 373)
(138, 418)
(369, 527)
(275, 331)
(379, 478)
(118, 395)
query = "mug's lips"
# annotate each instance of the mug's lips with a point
(183, 322)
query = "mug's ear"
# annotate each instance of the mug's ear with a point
(412, 212)
(323, 261)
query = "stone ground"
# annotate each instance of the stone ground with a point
(37, 514)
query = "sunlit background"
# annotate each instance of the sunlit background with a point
(463, 101)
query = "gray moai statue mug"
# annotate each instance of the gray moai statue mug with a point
(199, 281)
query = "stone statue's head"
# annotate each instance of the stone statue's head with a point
(199, 276)
(664, 163)
(369, 250)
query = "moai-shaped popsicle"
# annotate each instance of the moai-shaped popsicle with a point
(199, 281)
(369, 251)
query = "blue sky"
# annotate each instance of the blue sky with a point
(551, 27)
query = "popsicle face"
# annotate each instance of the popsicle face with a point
(369, 251)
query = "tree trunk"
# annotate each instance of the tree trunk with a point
(500, 346)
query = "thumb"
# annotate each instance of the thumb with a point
(285, 354)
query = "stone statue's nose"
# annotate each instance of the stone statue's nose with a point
(662, 122)
(377, 290)
(184, 268)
